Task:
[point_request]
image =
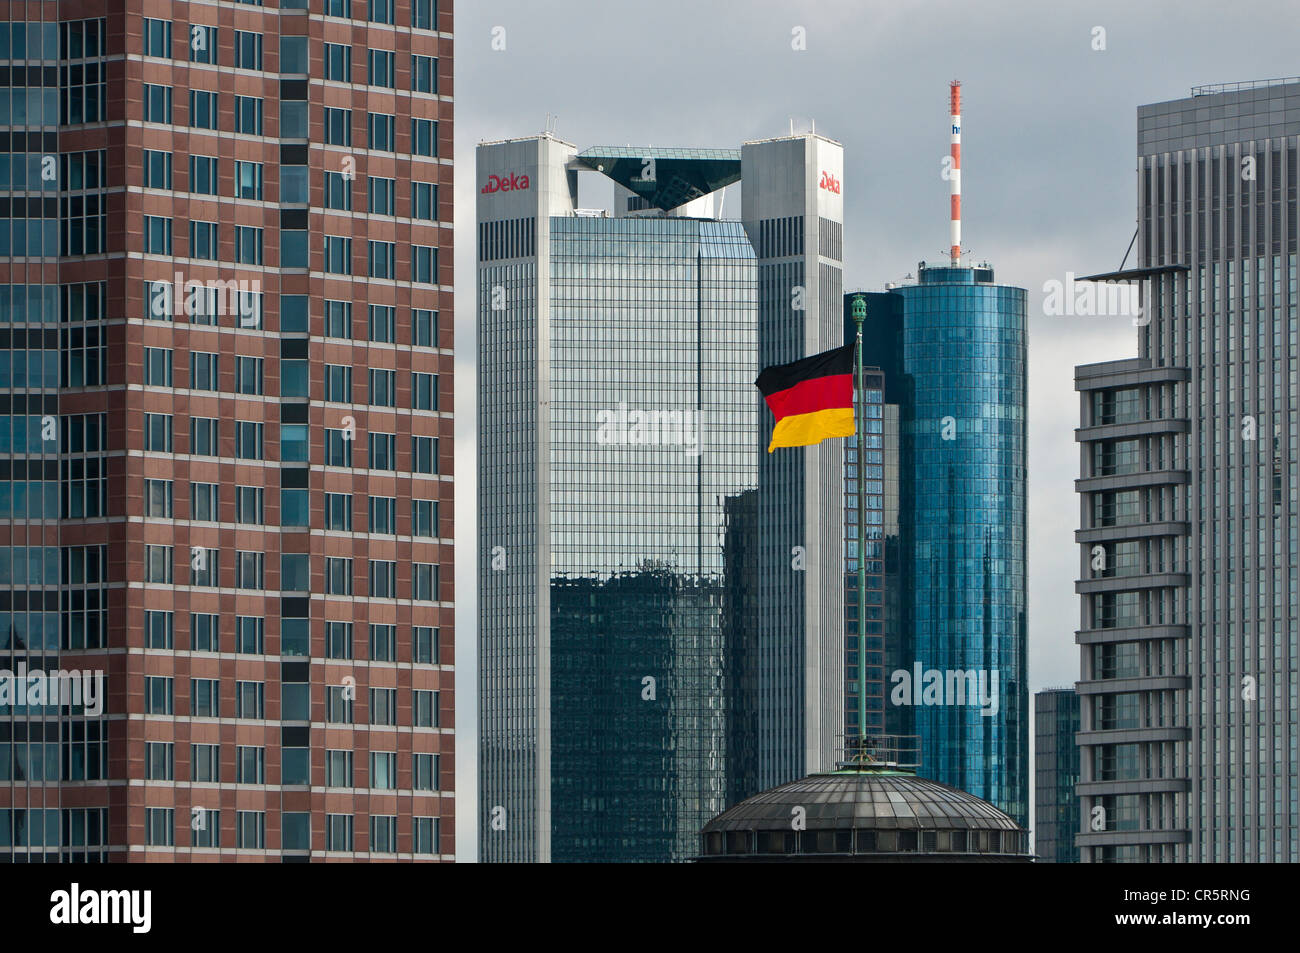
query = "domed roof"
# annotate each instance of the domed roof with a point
(868, 799)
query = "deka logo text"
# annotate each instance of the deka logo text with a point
(830, 183)
(501, 183)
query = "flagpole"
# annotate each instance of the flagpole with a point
(859, 315)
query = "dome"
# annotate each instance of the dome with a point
(864, 814)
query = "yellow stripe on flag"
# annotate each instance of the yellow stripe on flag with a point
(801, 430)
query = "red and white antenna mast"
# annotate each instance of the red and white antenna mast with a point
(954, 110)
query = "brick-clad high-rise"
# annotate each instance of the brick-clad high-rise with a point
(235, 502)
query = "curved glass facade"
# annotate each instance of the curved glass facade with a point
(963, 495)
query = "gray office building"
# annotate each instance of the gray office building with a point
(1056, 771)
(653, 639)
(1189, 508)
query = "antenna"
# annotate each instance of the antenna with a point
(954, 228)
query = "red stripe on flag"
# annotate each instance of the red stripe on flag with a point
(810, 396)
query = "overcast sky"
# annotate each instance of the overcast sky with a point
(1048, 138)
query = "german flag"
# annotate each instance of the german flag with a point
(811, 399)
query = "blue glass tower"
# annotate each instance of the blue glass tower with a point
(952, 348)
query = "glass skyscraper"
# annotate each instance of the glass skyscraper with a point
(1056, 771)
(622, 663)
(952, 350)
(1189, 502)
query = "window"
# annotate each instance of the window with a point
(424, 74)
(158, 629)
(157, 169)
(338, 317)
(294, 445)
(205, 825)
(338, 512)
(338, 383)
(157, 695)
(338, 769)
(158, 367)
(424, 708)
(248, 245)
(338, 705)
(205, 633)
(338, 126)
(424, 327)
(295, 568)
(338, 640)
(424, 518)
(203, 436)
(424, 774)
(383, 767)
(293, 184)
(338, 576)
(205, 763)
(383, 579)
(248, 504)
(425, 645)
(157, 235)
(160, 826)
(424, 454)
(203, 175)
(383, 833)
(381, 68)
(424, 839)
(383, 643)
(293, 54)
(158, 499)
(382, 451)
(339, 8)
(203, 109)
(380, 194)
(338, 448)
(248, 440)
(250, 764)
(248, 115)
(338, 62)
(249, 570)
(424, 201)
(424, 14)
(383, 388)
(204, 570)
(294, 379)
(379, 131)
(248, 180)
(383, 710)
(157, 103)
(380, 11)
(338, 192)
(424, 264)
(424, 137)
(248, 50)
(248, 375)
(424, 391)
(338, 827)
(424, 582)
(203, 44)
(250, 829)
(383, 514)
(203, 371)
(338, 257)
(380, 257)
(205, 701)
(203, 242)
(382, 324)
(250, 700)
(158, 38)
(158, 432)
(294, 314)
(293, 119)
(203, 502)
